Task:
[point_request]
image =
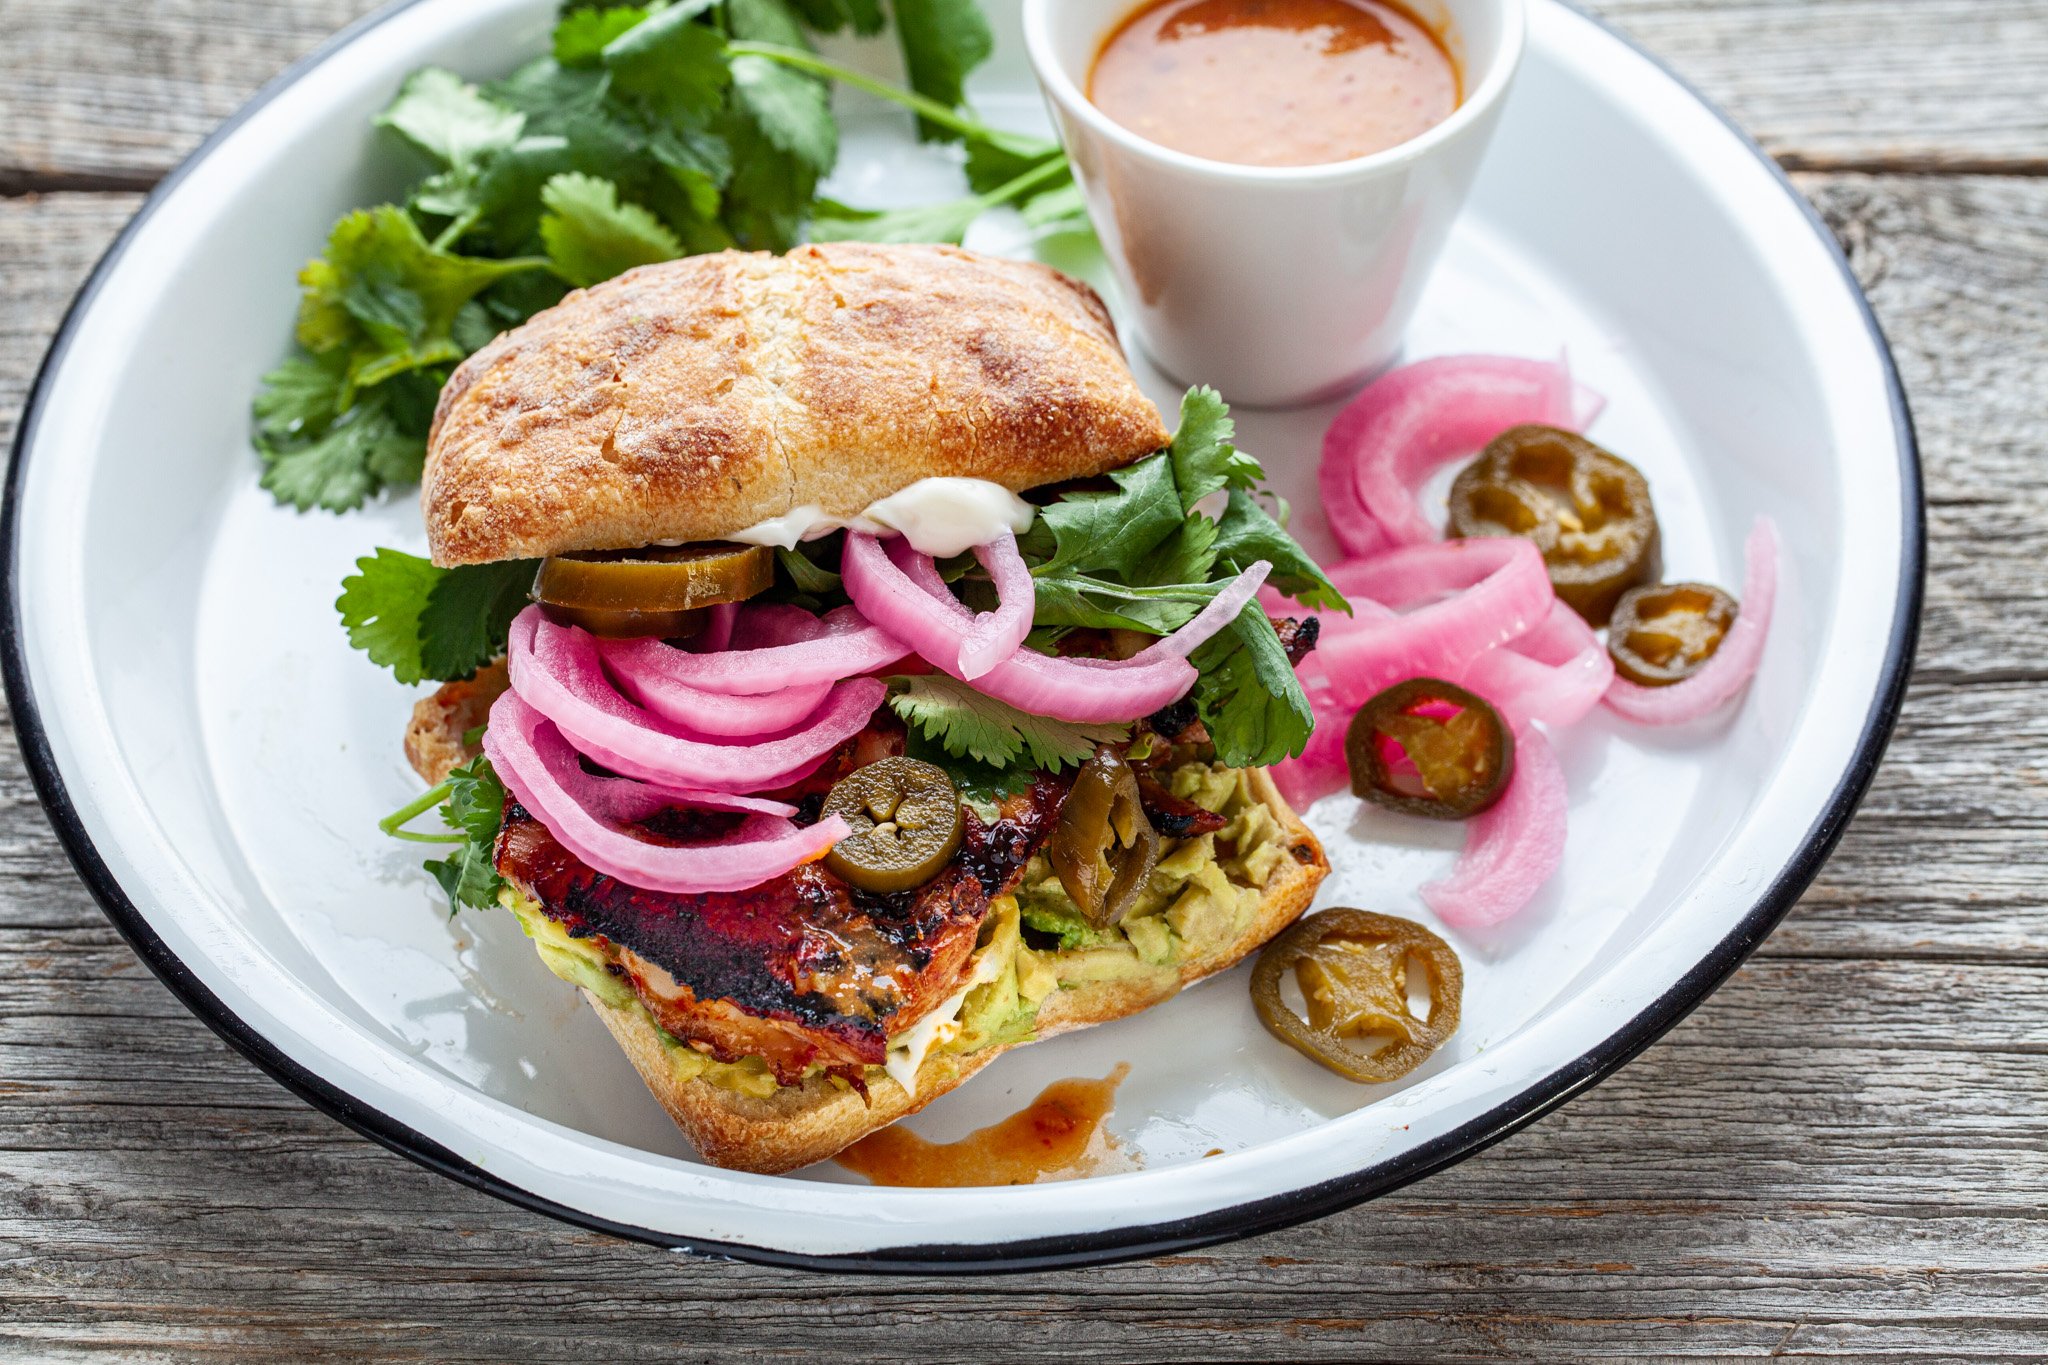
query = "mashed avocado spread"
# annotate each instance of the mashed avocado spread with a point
(1203, 896)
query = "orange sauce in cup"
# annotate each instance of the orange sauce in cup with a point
(1275, 82)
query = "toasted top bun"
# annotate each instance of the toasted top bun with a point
(690, 400)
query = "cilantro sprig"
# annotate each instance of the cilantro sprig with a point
(648, 131)
(471, 801)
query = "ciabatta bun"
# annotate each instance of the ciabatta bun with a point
(690, 400)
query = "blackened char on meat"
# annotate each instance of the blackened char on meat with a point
(801, 969)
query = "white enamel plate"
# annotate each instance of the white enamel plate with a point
(215, 756)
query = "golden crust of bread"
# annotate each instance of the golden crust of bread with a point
(689, 400)
(801, 1124)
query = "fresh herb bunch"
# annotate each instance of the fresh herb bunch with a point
(650, 131)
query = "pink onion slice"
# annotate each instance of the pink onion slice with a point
(1511, 848)
(1406, 423)
(1556, 672)
(901, 590)
(646, 670)
(622, 800)
(556, 670)
(841, 645)
(996, 635)
(1498, 588)
(540, 767)
(1732, 665)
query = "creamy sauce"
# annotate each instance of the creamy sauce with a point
(940, 517)
(1059, 1136)
(946, 517)
(1275, 82)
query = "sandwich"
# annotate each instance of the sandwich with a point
(895, 689)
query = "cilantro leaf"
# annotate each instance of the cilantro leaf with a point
(966, 723)
(765, 21)
(380, 604)
(1097, 531)
(300, 398)
(449, 119)
(475, 807)
(942, 40)
(830, 16)
(985, 784)
(672, 62)
(1248, 696)
(385, 298)
(468, 613)
(582, 35)
(1078, 600)
(1186, 556)
(591, 236)
(1247, 534)
(1203, 458)
(357, 456)
(792, 111)
(316, 456)
(770, 192)
(422, 622)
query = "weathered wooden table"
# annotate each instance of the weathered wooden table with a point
(1845, 1151)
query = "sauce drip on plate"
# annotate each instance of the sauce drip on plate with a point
(1058, 1136)
(1275, 82)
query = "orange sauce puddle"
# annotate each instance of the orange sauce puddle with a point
(1058, 1136)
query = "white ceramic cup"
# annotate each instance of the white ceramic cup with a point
(1277, 284)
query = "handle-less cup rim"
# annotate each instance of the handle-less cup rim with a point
(1060, 83)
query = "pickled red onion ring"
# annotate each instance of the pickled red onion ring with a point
(1556, 672)
(1732, 665)
(996, 635)
(1498, 588)
(646, 671)
(556, 670)
(1408, 422)
(1511, 848)
(901, 590)
(539, 766)
(841, 645)
(623, 800)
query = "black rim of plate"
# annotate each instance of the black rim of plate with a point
(1243, 1220)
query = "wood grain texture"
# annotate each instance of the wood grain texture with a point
(1841, 84)
(1844, 1153)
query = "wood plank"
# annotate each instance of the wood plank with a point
(1844, 1152)
(1868, 1187)
(1877, 84)
(1823, 83)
